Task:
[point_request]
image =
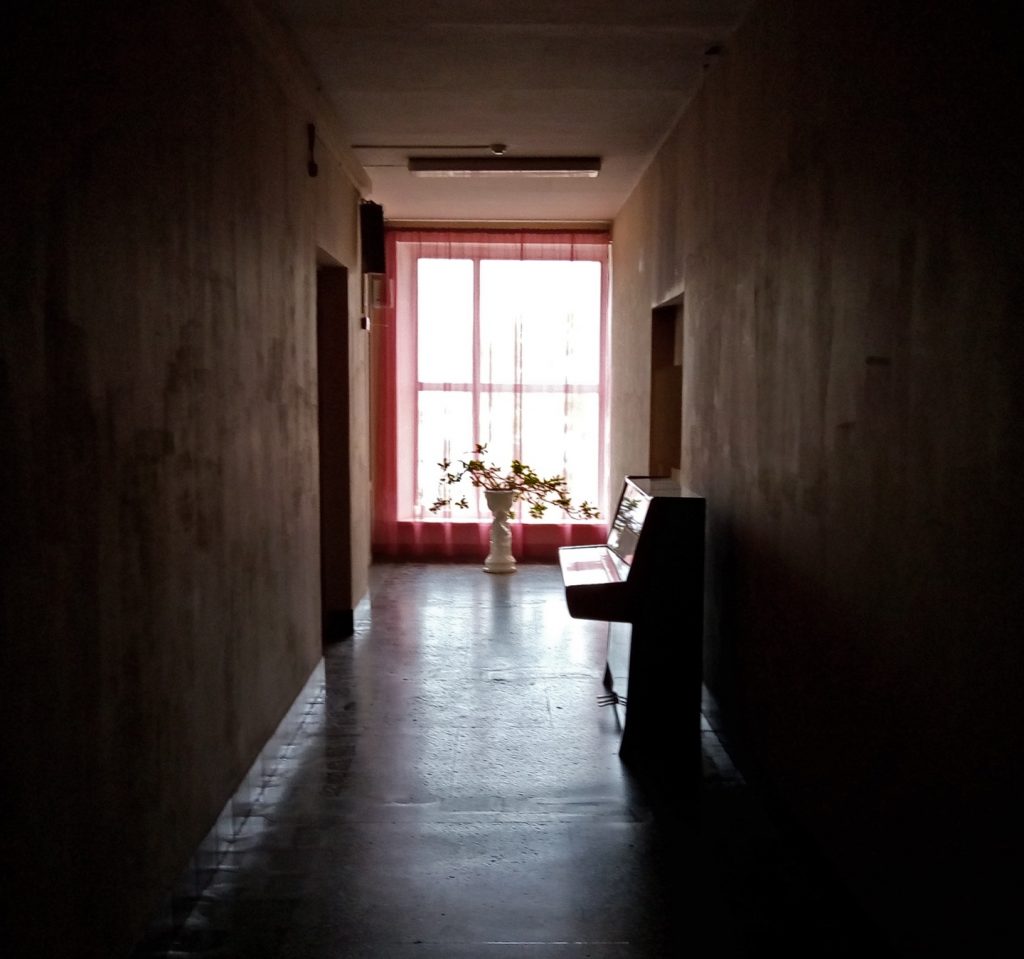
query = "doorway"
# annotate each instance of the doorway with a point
(666, 388)
(332, 347)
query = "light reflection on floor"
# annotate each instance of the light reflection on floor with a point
(454, 790)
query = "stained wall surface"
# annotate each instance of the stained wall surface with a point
(158, 391)
(840, 207)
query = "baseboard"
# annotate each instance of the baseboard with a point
(172, 913)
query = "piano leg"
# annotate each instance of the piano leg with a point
(616, 670)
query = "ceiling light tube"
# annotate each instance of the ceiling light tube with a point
(505, 166)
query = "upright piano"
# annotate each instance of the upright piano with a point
(647, 582)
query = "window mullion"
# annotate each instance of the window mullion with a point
(476, 350)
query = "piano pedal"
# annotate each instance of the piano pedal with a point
(611, 699)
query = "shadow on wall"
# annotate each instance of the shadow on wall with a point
(849, 732)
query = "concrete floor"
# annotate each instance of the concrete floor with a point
(455, 792)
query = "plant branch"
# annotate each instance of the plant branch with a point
(539, 492)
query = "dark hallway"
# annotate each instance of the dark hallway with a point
(453, 790)
(838, 204)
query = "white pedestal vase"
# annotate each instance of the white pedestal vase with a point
(500, 558)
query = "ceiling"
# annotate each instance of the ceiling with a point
(604, 78)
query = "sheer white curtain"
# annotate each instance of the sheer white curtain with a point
(497, 338)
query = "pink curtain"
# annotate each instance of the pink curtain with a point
(484, 339)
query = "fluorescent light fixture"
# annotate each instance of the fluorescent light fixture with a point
(505, 166)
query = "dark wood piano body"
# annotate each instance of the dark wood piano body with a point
(647, 582)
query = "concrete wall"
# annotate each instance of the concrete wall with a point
(841, 207)
(158, 386)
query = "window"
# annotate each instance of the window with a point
(497, 338)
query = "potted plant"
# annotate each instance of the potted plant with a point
(519, 479)
(503, 488)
